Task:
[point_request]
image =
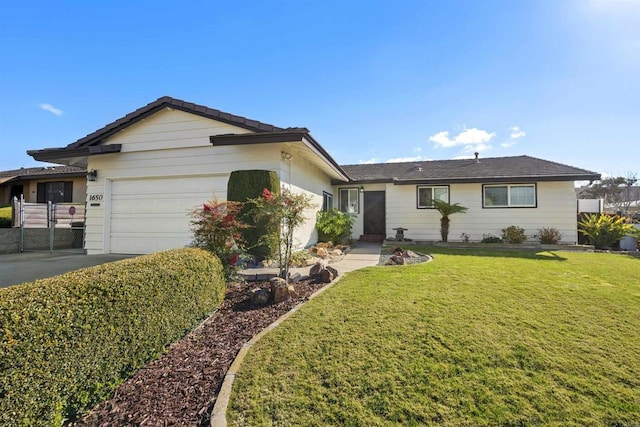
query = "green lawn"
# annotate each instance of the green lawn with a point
(493, 338)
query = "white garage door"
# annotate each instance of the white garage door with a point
(149, 215)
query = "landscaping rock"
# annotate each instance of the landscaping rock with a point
(295, 277)
(332, 270)
(336, 252)
(323, 273)
(292, 291)
(260, 296)
(397, 259)
(279, 289)
(326, 276)
(322, 252)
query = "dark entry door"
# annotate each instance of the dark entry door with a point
(374, 212)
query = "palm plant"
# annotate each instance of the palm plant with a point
(446, 209)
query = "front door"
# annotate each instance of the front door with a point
(374, 208)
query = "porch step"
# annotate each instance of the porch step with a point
(374, 238)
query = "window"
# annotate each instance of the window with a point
(349, 200)
(509, 196)
(426, 195)
(327, 201)
(55, 192)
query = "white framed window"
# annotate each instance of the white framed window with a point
(427, 194)
(327, 201)
(349, 202)
(509, 196)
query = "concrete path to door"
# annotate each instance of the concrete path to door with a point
(30, 266)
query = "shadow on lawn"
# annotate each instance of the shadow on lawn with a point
(495, 253)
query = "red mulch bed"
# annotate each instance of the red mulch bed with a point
(180, 388)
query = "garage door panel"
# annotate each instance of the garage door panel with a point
(148, 215)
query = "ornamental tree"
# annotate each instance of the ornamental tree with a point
(286, 211)
(445, 210)
(216, 228)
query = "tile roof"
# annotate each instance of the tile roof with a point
(468, 170)
(167, 101)
(39, 171)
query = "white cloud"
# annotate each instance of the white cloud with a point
(516, 132)
(471, 136)
(477, 148)
(404, 159)
(368, 162)
(507, 144)
(463, 157)
(50, 108)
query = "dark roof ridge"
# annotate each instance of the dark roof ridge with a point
(415, 162)
(168, 101)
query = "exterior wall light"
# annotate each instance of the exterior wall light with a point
(92, 175)
(362, 188)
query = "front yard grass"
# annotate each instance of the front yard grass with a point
(472, 338)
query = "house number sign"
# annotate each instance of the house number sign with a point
(95, 197)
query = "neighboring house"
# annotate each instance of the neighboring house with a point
(153, 166)
(524, 191)
(57, 184)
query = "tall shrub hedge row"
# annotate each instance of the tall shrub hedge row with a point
(66, 342)
(249, 184)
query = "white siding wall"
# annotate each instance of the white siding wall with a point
(556, 208)
(175, 144)
(168, 144)
(310, 180)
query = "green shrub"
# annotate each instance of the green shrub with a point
(245, 185)
(66, 342)
(549, 236)
(5, 217)
(490, 238)
(513, 234)
(334, 226)
(605, 230)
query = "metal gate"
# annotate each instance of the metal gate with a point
(49, 225)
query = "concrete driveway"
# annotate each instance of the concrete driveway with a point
(29, 266)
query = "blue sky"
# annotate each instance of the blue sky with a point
(373, 80)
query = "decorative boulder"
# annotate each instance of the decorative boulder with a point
(322, 252)
(397, 259)
(292, 291)
(279, 289)
(260, 296)
(323, 273)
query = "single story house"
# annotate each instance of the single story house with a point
(57, 184)
(150, 168)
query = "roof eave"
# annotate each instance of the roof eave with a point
(54, 155)
(280, 137)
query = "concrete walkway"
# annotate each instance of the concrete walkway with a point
(30, 266)
(363, 255)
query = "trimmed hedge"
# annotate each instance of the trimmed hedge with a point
(68, 341)
(249, 184)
